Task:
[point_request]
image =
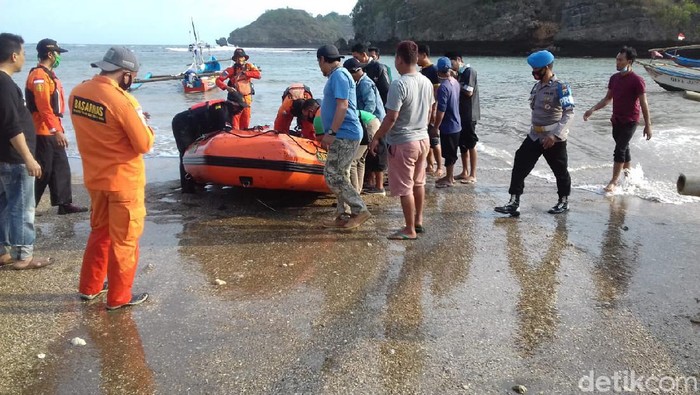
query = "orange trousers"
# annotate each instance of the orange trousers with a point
(112, 250)
(241, 120)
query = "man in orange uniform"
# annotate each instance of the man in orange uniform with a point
(112, 137)
(292, 101)
(44, 96)
(239, 76)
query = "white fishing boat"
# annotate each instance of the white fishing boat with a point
(672, 71)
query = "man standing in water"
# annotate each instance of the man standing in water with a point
(240, 77)
(552, 107)
(626, 90)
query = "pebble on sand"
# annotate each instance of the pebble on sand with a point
(521, 389)
(219, 282)
(76, 341)
(41, 356)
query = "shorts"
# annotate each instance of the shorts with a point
(449, 144)
(407, 166)
(468, 137)
(434, 142)
(376, 163)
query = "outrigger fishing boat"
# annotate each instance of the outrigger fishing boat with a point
(257, 158)
(673, 72)
(200, 76)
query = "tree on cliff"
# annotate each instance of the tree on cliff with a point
(286, 27)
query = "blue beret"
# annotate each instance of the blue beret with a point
(540, 59)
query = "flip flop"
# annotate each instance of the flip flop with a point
(461, 177)
(35, 263)
(420, 229)
(442, 185)
(468, 181)
(6, 260)
(400, 236)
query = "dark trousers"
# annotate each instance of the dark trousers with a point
(527, 156)
(185, 132)
(622, 134)
(55, 171)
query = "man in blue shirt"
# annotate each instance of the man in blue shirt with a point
(447, 120)
(343, 133)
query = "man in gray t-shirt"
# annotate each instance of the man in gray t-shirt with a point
(405, 126)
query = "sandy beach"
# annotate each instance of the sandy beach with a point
(479, 304)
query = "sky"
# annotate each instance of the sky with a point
(144, 21)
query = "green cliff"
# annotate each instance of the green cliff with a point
(577, 27)
(286, 27)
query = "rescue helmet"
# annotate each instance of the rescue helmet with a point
(540, 59)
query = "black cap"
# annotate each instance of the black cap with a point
(48, 45)
(238, 53)
(329, 52)
(353, 65)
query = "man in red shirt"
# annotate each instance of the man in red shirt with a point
(626, 90)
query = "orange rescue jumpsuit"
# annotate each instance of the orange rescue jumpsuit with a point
(112, 137)
(239, 77)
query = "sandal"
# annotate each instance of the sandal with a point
(420, 229)
(400, 236)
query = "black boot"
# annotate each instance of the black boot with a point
(70, 208)
(512, 207)
(561, 206)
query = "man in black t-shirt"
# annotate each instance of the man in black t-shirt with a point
(428, 69)
(17, 164)
(374, 70)
(469, 112)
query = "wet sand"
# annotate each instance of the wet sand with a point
(479, 304)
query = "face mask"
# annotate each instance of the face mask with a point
(127, 85)
(624, 69)
(539, 74)
(56, 61)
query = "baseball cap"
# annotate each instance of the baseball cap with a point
(540, 59)
(352, 65)
(48, 45)
(329, 52)
(118, 58)
(444, 64)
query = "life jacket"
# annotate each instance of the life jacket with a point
(297, 91)
(56, 103)
(240, 81)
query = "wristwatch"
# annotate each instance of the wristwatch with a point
(331, 132)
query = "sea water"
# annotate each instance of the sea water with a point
(504, 84)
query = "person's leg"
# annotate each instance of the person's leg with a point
(403, 159)
(526, 158)
(558, 160)
(96, 256)
(357, 170)
(126, 221)
(419, 182)
(244, 122)
(449, 146)
(22, 203)
(622, 134)
(44, 156)
(60, 184)
(5, 177)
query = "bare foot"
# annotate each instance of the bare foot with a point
(5, 259)
(468, 180)
(440, 172)
(461, 176)
(31, 263)
(610, 187)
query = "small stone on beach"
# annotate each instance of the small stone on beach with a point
(76, 341)
(219, 282)
(41, 356)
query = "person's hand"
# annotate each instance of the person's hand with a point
(587, 114)
(548, 142)
(373, 146)
(231, 89)
(647, 132)
(33, 168)
(61, 140)
(327, 141)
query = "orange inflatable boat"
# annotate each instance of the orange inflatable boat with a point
(262, 158)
